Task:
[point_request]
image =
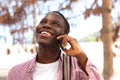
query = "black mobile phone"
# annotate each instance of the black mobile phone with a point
(60, 42)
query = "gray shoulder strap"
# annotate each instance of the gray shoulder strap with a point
(66, 67)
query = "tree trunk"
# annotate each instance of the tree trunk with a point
(107, 38)
(35, 21)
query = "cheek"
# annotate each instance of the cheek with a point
(37, 37)
(61, 31)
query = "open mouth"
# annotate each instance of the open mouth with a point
(45, 34)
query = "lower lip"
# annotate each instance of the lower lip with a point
(45, 35)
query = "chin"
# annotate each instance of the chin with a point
(44, 44)
(48, 44)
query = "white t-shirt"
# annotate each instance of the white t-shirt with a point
(46, 71)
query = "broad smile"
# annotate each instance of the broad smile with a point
(45, 33)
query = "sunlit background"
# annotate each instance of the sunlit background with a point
(16, 38)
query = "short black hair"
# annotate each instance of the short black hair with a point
(67, 24)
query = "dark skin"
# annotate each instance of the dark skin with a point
(49, 33)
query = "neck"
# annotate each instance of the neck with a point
(48, 55)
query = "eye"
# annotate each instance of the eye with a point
(55, 24)
(43, 21)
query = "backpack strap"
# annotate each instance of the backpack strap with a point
(66, 67)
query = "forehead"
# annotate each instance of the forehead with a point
(54, 16)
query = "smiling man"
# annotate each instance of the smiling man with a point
(53, 61)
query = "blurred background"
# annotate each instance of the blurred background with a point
(94, 23)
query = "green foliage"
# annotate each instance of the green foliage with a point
(91, 39)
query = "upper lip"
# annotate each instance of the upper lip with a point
(45, 31)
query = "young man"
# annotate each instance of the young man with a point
(50, 62)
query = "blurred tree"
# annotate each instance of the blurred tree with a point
(107, 38)
(106, 32)
(14, 16)
(17, 15)
(116, 35)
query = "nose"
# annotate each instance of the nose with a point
(44, 25)
(47, 25)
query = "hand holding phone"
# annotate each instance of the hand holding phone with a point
(74, 48)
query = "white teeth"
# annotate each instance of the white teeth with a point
(44, 32)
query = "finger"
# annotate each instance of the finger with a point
(61, 37)
(64, 42)
(71, 41)
(68, 39)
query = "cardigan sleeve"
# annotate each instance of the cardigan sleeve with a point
(79, 74)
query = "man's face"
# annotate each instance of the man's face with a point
(51, 26)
